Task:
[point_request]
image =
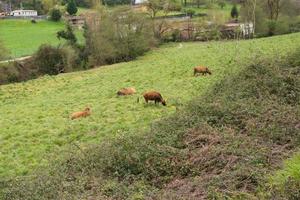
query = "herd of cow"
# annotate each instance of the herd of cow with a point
(148, 96)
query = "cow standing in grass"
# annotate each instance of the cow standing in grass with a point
(154, 96)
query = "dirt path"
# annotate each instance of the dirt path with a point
(15, 59)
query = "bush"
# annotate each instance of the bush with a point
(234, 12)
(55, 14)
(54, 60)
(116, 2)
(189, 12)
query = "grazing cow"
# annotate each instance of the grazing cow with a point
(84, 113)
(201, 70)
(154, 96)
(126, 91)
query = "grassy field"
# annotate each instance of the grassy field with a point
(213, 11)
(34, 116)
(22, 38)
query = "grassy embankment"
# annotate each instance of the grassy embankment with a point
(242, 122)
(35, 115)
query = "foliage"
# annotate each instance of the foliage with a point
(272, 17)
(219, 145)
(55, 14)
(116, 2)
(234, 12)
(11, 72)
(71, 7)
(221, 3)
(48, 5)
(53, 60)
(189, 12)
(68, 35)
(153, 6)
(123, 39)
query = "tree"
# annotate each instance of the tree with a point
(234, 12)
(249, 12)
(68, 35)
(273, 9)
(222, 4)
(71, 7)
(55, 14)
(48, 5)
(122, 39)
(153, 6)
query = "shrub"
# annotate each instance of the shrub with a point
(116, 2)
(189, 12)
(54, 60)
(55, 14)
(71, 7)
(176, 35)
(234, 12)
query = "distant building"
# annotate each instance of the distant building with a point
(24, 13)
(78, 21)
(136, 2)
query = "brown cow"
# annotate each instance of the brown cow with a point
(154, 96)
(201, 70)
(126, 91)
(84, 113)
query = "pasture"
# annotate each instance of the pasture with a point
(23, 38)
(35, 123)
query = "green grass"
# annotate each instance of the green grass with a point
(291, 169)
(23, 38)
(34, 116)
(213, 12)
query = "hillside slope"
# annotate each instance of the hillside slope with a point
(222, 145)
(34, 116)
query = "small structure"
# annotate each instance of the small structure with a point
(138, 2)
(78, 21)
(24, 13)
(238, 30)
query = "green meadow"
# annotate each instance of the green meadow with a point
(23, 38)
(34, 119)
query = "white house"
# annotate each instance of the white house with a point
(24, 13)
(136, 2)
